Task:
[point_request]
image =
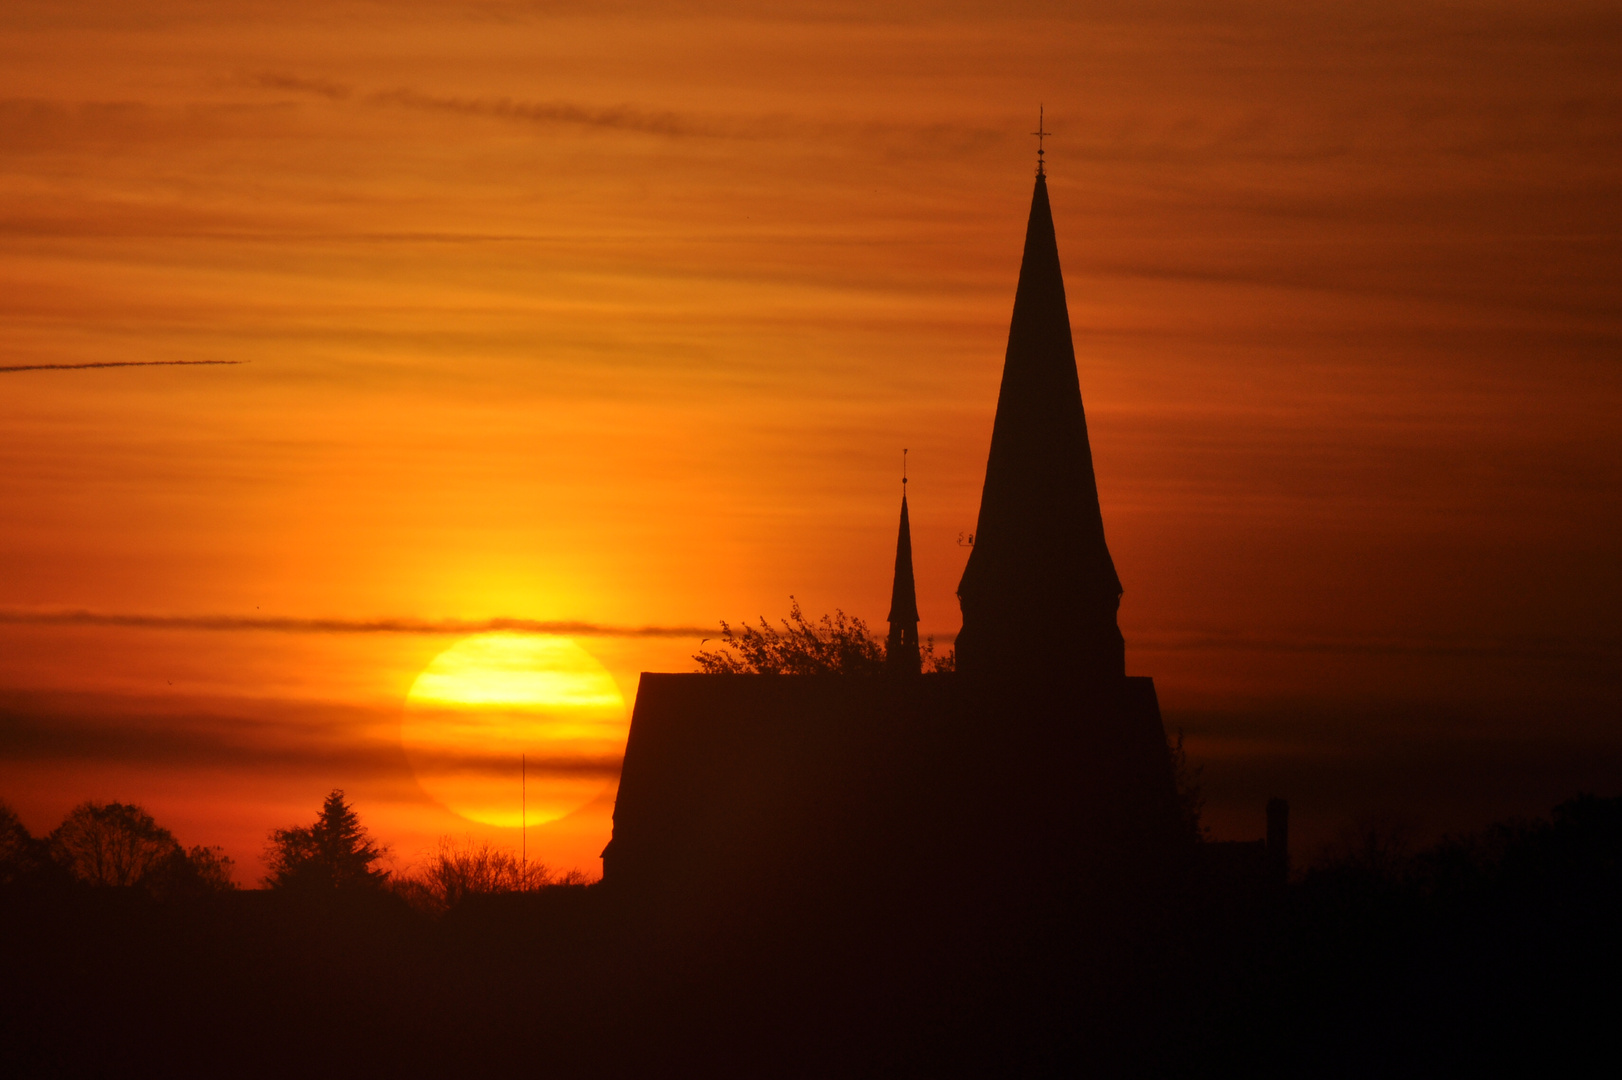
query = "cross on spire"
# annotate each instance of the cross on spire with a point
(1040, 135)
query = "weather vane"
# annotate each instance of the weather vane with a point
(1040, 135)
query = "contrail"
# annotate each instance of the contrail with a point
(117, 363)
(289, 625)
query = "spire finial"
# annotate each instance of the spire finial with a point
(903, 471)
(1040, 135)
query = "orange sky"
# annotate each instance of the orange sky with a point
(622, 314)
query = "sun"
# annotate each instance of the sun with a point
(489, 700)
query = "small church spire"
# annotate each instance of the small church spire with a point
(901, 649)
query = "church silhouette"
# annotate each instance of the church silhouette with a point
(726, 774)
(1010, 821)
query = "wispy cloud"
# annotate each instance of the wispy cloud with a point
(293, 625)
(618, 117)
(120, 363)
(277, 734)
(272, 80)
(1461, 646)
(274, 734)
(1529, 647)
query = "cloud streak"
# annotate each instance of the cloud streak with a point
(296, 737)
(282, 624)
(935, 138)
(1459, 646)
(285, 735)
(1527, 647)
(616, 117)
(119, 363)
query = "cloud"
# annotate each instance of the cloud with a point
(1530, 647)
(292, 625)
(933, 139)
(276, 734)
(119, 363)
(320, 87)
(617, 117)
(245, 733)
(1526, 647)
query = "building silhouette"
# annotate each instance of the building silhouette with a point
(1022, 806)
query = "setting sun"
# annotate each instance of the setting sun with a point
(490, 700)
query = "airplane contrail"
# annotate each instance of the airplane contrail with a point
(117, 363)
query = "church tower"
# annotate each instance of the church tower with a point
(1040, 593)
(901, 649)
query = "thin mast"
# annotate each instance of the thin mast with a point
(523, 821)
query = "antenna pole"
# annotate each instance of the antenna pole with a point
(523, 821)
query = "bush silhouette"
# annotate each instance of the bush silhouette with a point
(836, 644)
(21, 856)
(461, 868)
(195, 871)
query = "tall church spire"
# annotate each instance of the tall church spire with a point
(901, 650)
(1040, 593)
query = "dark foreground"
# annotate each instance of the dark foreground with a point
(1497, 953)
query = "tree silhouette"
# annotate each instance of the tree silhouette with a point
(197, 871)
(112, 844)
(462, 867)
(120, 845)
(1190, 792)
(20, 854)
(334, 854)
(836, 644)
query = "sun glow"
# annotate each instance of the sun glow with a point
(490, 699)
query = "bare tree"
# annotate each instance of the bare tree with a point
(462, 867)
(1190, 791)
(111, 844)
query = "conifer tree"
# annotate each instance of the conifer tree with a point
(334, 854)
